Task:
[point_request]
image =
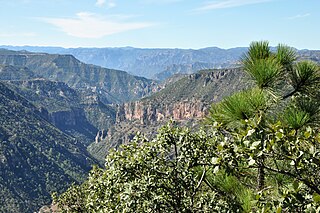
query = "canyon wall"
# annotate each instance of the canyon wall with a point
(157, 112)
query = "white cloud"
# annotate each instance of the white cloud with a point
(89, 25)
(220, 4)
(299, 16)
(100, 3)
(111, 4)
(108, 3)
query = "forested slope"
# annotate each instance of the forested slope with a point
(36, 157)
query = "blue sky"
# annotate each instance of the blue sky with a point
(159, 23)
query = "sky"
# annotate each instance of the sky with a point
(159, 23)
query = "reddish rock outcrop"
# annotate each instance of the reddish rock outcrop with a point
(148, 113)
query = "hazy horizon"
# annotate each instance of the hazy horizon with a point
(123, 47)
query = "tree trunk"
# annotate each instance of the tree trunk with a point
(261, 175)
(261, 169)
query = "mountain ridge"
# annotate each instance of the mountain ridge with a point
(151, 62)
(147, 62)
(114, 86)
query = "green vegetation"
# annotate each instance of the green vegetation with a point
(36, 158)
(205, 171)
(66, 108)
(158, 175)
(259, 152)
(8, 72)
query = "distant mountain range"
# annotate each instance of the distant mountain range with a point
(114, 86)
(150, 63)
(157, 64)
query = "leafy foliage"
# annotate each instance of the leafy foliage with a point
(238, 107)
(292, 165)
(180, 171)
(161, 175)
(257, 50)
(286, 56)
(257, 145)
(264, 71)
(302, 112)
(305, 76)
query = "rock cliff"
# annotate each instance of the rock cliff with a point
(157, 112)
(185, 101)
(188, 98)
(65, 119)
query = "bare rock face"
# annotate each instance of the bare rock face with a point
(152, 113)
(189, 109)
(101, 135)
(67, 118)
(145, 117)
(188, 98)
